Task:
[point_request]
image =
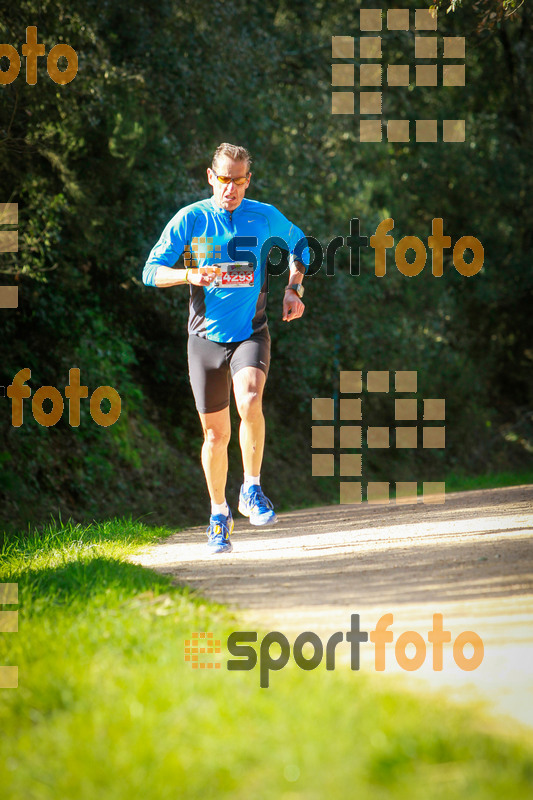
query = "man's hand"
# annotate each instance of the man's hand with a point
(202, 276)
(293, 308)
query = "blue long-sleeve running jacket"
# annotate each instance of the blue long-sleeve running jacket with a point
(226, 314)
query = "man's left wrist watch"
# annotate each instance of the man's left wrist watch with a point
(296, 287)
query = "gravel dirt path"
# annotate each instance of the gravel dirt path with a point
(470, 559)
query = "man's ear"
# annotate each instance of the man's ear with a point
(210, 176)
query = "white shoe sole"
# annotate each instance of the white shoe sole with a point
(220, 552)
(243, 510)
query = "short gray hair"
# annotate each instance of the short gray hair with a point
(233, 151)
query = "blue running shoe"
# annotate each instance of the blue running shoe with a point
(218, 533)
(255, 505)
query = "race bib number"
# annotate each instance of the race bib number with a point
(234, 274)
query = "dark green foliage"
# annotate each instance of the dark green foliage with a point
(100, 165)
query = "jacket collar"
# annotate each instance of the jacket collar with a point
(218, 210)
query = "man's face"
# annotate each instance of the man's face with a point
(228, 195)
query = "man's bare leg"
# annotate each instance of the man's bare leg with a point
(248, 385)
(217, 433)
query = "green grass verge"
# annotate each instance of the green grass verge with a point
(107, 708)
(457, 482)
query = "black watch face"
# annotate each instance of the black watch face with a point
(296, 287)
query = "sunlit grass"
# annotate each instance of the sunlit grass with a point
(107, 707)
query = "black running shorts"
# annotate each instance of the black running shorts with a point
(212, 365)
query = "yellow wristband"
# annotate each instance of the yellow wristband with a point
(187, 275)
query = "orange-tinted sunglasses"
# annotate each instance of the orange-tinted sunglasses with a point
(226, 180)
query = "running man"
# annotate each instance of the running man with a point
(228, 332)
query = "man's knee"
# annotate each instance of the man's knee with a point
(217, 437)
(249, 404)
